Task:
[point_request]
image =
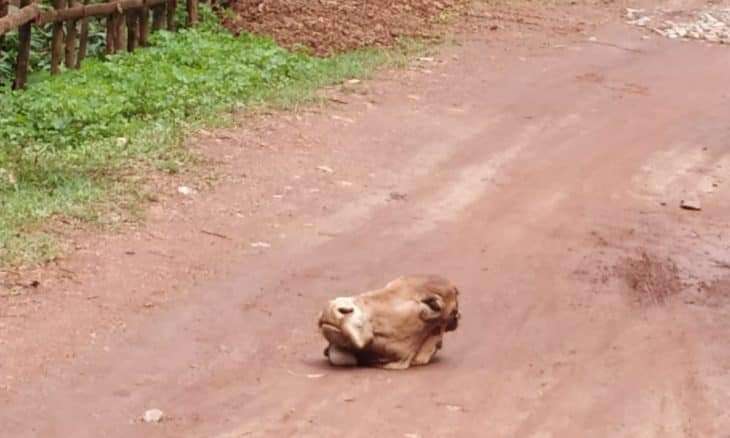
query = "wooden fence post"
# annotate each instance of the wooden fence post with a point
(132, 30)
(119, 41)
(144, 25)
(110, 36)
(158, 17)
(192, 6)
(21, 66)
(83, 39)
(3, 12)
(171, 6)
(57, 38)
(71, 36)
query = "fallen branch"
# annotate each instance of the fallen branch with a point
(212, 233)
(603, 43)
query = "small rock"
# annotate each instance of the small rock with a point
(260, 245)
(342, 119)
(398, 196)
(641, 22)
(153, 416)
(592, 39)
(633, 13)
(185, 190)
(315, 376)
(353, 81)
(691, 204)
(325, 169)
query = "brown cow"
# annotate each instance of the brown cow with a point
(394, 327)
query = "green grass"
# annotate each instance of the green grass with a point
(76, 148)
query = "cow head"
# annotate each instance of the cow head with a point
(400, 324)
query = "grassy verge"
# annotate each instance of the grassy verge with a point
(76, 147)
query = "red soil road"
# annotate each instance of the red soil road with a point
(528, 174)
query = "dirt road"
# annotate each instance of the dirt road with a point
(527, 176)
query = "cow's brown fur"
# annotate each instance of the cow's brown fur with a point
(394, 327)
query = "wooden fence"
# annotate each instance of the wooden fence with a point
(127, 27)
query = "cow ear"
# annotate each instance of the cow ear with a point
(431, 307)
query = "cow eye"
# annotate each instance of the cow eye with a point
(432, 303)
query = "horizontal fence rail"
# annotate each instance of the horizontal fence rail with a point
(127, 27)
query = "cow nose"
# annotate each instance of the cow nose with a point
(344, 310)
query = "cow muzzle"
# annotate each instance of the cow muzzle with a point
(344, 324)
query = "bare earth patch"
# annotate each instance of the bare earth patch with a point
(652, 279)
(326, 27)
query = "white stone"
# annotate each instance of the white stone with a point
(341, 358)
(153, 416)
(185, 190)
